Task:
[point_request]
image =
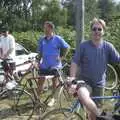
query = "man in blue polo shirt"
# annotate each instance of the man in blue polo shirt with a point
(52, 50)
(93, 57)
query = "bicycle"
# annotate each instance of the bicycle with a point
(72, 112)
(33, 69)
(14, 101)
(111, 83)
(41, 101)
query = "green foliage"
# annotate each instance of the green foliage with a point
(27, 39)
(52, 11)
(113, 33)
(69, 35)
(107, 9)
(91, 10)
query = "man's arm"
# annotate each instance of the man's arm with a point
(113, 54)
(73, 70)
(63, 53)
(39, 50)
(11, 46)
(8, 52)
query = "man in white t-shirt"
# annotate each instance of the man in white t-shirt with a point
(7, 46)
(0, 42)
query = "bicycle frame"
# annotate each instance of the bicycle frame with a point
(7, 72)
(32, 65)
(76, 104)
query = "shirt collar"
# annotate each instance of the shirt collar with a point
(45, 37)
(100, 44)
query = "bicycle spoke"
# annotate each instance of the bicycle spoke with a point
(17, 103)
(111, 77)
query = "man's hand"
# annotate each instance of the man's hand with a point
(5, 56)
(71, 78)
(69, 81)
(63, 53)
(62, 58)
(2, 58)
(36, 65)
(71, 87)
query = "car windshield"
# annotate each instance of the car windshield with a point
(20, 50)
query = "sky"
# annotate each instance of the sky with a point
(117, 0)
(113, 0)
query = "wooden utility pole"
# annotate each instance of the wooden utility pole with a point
(79, 6)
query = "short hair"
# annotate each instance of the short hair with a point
(4, 28)
(96, 20)
(50, 24)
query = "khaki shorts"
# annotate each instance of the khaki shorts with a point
(96, 91)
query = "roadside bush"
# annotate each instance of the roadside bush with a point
(27, 39)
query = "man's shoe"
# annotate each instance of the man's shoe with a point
(52, 102)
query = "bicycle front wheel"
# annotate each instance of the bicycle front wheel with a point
(65, 99)
(16, 104)
(58, 114)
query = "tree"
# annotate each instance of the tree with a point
(107, 9)
(91, 10)
(13, 11)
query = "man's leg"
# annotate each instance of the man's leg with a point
(55, 79)
(84, 97)
(98, 91)
(54, 95)
(40, 82)
(40, 85)
(55, 82)
(54, 86)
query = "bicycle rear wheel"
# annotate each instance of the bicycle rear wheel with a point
(58, 114)
(28, 81)
(16, 104)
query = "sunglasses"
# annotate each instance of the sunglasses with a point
(96, 29)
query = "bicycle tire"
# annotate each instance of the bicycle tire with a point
(58, 114)
(16, 103)
(65, 96)
(111, 78)
(26, 81)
